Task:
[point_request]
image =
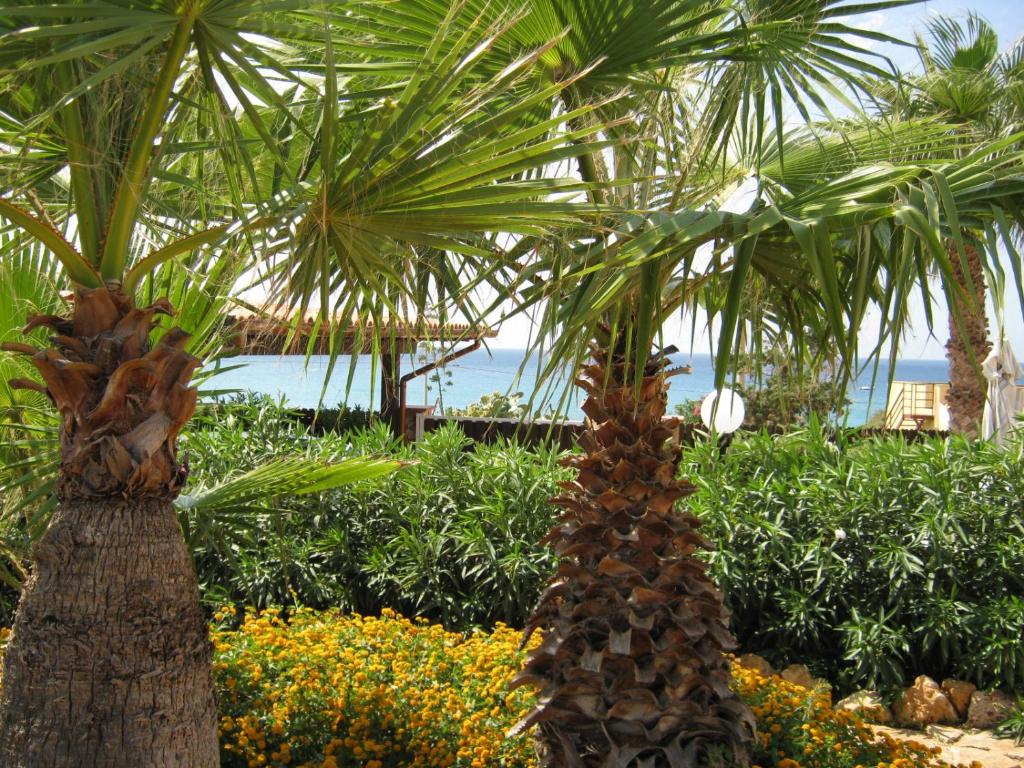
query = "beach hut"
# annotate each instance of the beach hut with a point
(917, 405)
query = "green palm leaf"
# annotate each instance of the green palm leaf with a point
(289, 476)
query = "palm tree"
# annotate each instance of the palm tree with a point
(141, 132)
(978, 92)
(631, 667)
(631, 670)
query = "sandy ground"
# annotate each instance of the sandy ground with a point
(964, 747)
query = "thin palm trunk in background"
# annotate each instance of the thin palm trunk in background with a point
(965, 80)
(631, 670)
(968, 345)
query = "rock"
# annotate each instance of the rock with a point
(988, 709)
(924, 704)
(945, 734)
(959, 692)
(756, 663)
(867, 704)
(798, 674)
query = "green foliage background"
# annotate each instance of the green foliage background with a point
(452, 537)
(871, 560)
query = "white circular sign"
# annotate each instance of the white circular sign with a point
(727, 416)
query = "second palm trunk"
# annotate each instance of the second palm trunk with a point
(968, 344)
(631, 670)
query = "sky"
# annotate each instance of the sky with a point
(1007, 17)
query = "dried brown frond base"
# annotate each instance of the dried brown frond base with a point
(122, 401)
(631, 671)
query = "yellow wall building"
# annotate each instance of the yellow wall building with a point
(922, 405)
(917, 405)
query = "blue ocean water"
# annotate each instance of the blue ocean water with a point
(486, 371)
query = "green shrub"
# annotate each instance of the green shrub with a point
(281, 552)
(871, 560)
(343, 419)
(503, 405)
(497, 405)
(452, 537)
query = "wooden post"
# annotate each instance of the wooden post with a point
(390, 407)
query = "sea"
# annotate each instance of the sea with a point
(300, 383)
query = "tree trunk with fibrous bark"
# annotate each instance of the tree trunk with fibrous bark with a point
(968, 345)
(108, 665)
(631, 671)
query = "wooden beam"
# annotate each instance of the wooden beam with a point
(403, 381)
(390, 405)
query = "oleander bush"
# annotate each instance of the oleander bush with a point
(327, 690)
(870, 560)
(452, 537)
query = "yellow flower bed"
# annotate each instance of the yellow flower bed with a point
(326, 690)
(798, 728)
(329, 690)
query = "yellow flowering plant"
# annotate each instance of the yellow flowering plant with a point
(328, 690)
(798, 728)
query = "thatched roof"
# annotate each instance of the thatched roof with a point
(268, 333)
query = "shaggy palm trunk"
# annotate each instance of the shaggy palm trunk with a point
(109, 661)
(968, 345)
(631, 671)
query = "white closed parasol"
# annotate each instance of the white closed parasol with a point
(1002, 371)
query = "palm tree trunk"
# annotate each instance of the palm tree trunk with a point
(109, 664)
(631, 670)
(968, 345)
(109, 660)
